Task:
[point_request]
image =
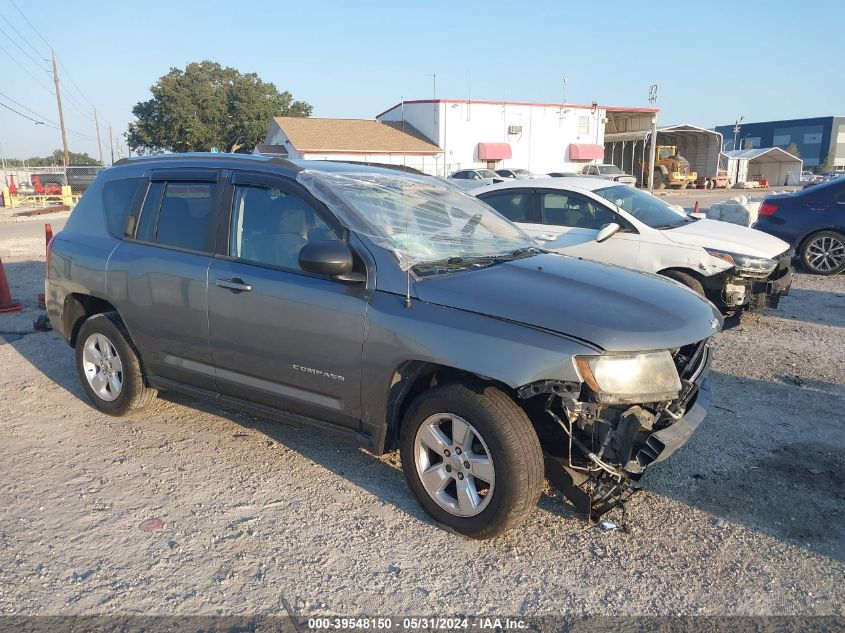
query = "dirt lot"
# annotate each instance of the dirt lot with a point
(748, 518)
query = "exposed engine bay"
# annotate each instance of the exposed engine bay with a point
(595, 452)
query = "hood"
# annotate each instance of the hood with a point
(729, 237)
(613, 308)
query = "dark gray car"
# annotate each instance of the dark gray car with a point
(388, 309)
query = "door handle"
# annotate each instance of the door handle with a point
(546, 237)
(235, 285)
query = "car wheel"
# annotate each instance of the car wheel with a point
(823, 253)
(472, 458)
(109, 367)
(658, 180)
(685, 278)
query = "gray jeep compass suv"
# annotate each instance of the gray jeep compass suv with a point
(386, 308)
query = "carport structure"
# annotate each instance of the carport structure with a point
(770, 163)
(628, 150)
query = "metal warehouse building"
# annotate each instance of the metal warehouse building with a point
(815, 138)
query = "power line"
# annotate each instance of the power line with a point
(8, 98)
(26, 70)
(20, 48)
(22, 114)
(31, 25)
(23, 39)
(68, 75)
(44, 120)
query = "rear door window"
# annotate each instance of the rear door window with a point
(515, 206)
(179, 214)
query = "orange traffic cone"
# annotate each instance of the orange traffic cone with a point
(48, 237)
(6, 302)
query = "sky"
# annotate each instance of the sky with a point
(713, 62)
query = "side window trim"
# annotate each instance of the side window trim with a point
(155, 181)
(267, 181)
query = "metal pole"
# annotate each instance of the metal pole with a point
(111, 144)
(61, 111)
(652, 153)
(99, 145)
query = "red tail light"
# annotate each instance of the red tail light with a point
(767, 208)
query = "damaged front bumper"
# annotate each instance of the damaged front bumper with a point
(601, 452)
(735, 289)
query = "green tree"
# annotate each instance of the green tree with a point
(827, 165)
(793, 149)
(205, 106)
(54, 159)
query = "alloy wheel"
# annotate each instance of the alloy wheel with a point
(103, 367)
(825, 253)
(454, 464)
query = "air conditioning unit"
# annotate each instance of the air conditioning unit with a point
(514, 129)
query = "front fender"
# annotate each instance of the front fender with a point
(510, 353)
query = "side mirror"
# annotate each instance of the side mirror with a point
(332, 258)
(607, 231)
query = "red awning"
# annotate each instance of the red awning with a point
(493, 151)
(585, 151)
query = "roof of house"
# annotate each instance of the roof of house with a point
(777, 154)
(354, 136)
(524, 103)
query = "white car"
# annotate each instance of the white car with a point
(734, 266)
(609, 172)
(470, 178)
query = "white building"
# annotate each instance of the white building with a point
(540, 137)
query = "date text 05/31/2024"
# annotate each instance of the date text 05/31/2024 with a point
(426, 623)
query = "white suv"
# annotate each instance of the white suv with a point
(733, 266)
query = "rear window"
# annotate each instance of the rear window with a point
(185, 217)
(118, 196)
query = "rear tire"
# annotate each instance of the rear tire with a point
(109, 368)
(685, 278)
(659, 183)
(823, 253)
(496, 492)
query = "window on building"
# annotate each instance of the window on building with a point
(516, 207)
(573, 210)
(812, 139)
(750, 142)
(271, 227)
(583, 125)
(781, 139)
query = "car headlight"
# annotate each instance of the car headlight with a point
(745, 263)
(631, 378)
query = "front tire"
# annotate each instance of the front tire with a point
(108, 366)
(472, 458)
(685, 278)
(823, 253)
(659, 183)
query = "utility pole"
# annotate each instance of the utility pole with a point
(111, 144)
(99, 145)
(61, 111)
(652, 99)
(736, 130)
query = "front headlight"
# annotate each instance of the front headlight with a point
(758, 266)
(631, 378)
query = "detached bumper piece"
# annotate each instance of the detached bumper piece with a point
(766, 293)
(602, 452)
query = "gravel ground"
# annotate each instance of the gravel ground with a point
(747, 519)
